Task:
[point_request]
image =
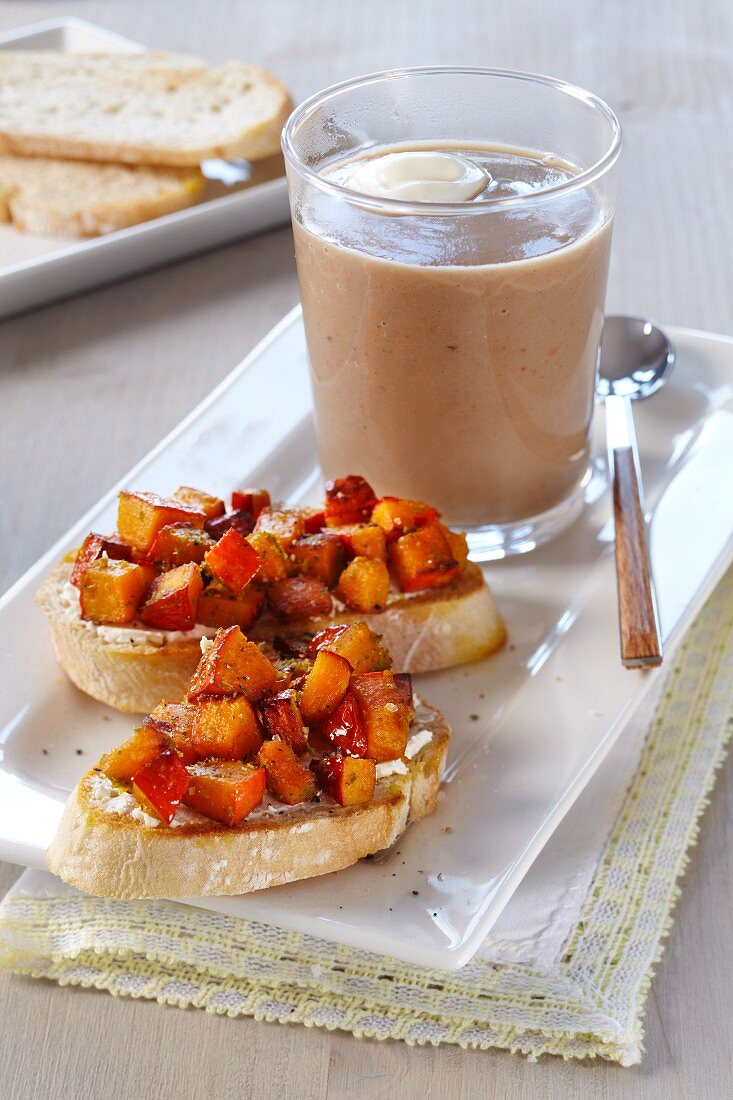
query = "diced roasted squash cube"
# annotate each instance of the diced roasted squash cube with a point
(423, 559)
(250, 500)
(141, 515)
(232, 666)
(361, 647)
(171, 601)
(299, 598)
(146, 743)
(457, 542)
(160, 785)
(384, 715)
(202, 502)
(175, 720)
(233, 561)
(220, 608)
(314, 521)
(325, 686)
(275, 565)
(94, 547)
(239, 520)
(224, 790)
(348, 500)
(178, 544)
(282, 718)
(287, 780)
(285, 524)
(364, 585)
(344, 729)
(348, 780)
(110, 591)
(225, 726)
(396, 516)
(319, 556)
(363, 540)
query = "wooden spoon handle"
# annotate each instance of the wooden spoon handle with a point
(640, 642)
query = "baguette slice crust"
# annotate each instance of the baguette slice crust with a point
(431, 630)
(112, 855)
(148, 108)
(67, 198)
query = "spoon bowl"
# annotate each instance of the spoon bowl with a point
(636, 358)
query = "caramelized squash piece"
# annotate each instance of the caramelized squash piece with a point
(233, 561)
(178, 544)
(423, 559)
(361, 647)
(364, 585)
(250, 500)
(110, 591)
(224, 790)
(363, 540)
(457, 543)
(122, 763)
(385, 717)
(325, 687)
(239, 520)
(225, 726)
(232, 666)
(319, 556)
(141, 515)
(299, 598)
(285, 524)
(94, 547)
(282, 718)
(160, 785)
(287, 780)
(176, 721)
(172, 599)
(348, 780)
(396, 516)
(314, 521)
(219, 608)
(348, 500)
(275, 565)
(344, 729)
(211, 506)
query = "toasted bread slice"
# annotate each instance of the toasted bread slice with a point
(148, 108)
(117, 855)
(67, 198)
(133, 670)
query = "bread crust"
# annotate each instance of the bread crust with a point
(115, 856)
(435, 629)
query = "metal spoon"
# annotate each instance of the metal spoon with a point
(636, 358)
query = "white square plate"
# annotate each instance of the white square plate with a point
(531, 724)
(35, 270)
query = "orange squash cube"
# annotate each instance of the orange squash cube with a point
(348, 500)
(423, 559)
(287, 780)
(141, 515)
(233, 561)
(176, 721)
(110, 591)
(282, 718)
(457, 543)
(226, 790)
(201, 502)
(350, 781)
(319, 556)
(364, 585)
(361, 647)
(219, 608)
(225, 726)
(171, 601)
(179, 544)
(363, 540)
(384, 715)
(396, 516)
(285, 524)
(146, 743)
(241, 521)
(232, 666)
(275, 565)
(160, 785)
(299, 598)
(325, 687)
(94, 547)
(250, 500)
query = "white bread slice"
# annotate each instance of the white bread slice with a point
(431, 630)
(149, 108)
(71, 198)
(113, 855)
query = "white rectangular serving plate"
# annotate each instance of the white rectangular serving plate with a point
(530, 725)
(37, 270)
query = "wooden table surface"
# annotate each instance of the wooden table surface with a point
(88, 386)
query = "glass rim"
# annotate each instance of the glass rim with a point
(403, 206)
